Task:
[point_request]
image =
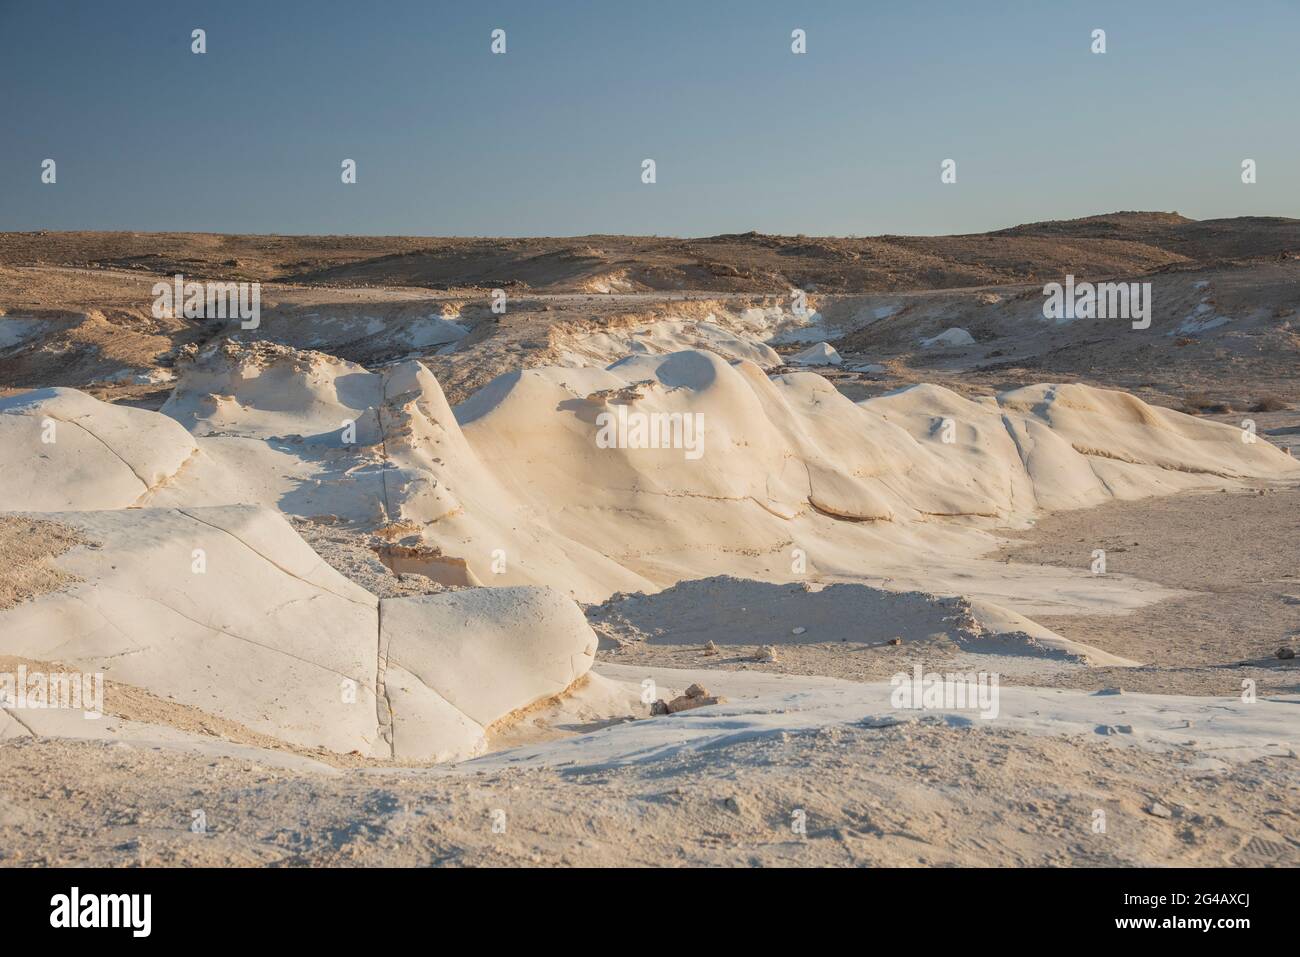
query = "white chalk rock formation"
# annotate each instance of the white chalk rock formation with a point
(433, 331)
(225, 609)
(657, 469)
(486, 651)
(354, 328)
(822, 354)
(600, 347)
(63, 449)
(661, 468)
(274, 426)
(753, 462)
(228, 610)
(949, 337)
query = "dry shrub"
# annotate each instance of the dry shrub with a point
(1198, 403)
(1269, 403)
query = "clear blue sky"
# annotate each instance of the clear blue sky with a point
(548, 139)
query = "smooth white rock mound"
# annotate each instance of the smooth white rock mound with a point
(63, 449)
(949, 337)
(552, 467)
(228, 610)
(822, 354)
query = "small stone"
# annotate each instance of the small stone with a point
(767, 654)
(895, 641)
(696, 696)
(710, 648)
(1286, 653)
(798, 630)
(1159, 810)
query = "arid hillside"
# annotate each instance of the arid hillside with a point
(1124, 243)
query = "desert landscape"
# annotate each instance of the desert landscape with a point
(608, 550)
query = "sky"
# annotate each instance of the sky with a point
(548, 138)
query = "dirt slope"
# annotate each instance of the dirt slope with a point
(1113, 244)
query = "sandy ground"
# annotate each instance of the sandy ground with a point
(28, 546)
(897, 796)
(1233, 553)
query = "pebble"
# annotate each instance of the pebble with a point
(1114, 729)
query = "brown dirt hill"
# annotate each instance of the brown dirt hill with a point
(1116, 244)
(1208, 242)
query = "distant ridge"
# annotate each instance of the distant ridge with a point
(1125, 242)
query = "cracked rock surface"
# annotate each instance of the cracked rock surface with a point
(227, 610)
